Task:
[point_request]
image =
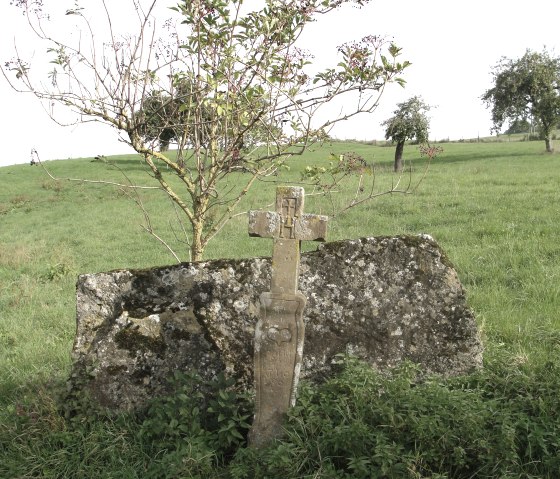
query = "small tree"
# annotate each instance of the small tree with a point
(526, 87)
(226, 84)
(409, 122)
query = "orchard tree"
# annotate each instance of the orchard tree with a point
(409, 122)
(526, 87)
(223, 81)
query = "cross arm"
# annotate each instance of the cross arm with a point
(307, 227)
(310, 227)
(265, 224)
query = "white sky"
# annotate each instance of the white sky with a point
(452, 46)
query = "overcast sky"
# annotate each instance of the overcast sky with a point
(452, 46)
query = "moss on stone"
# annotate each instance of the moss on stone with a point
(180, 334)
(114, 370)
(133, 340)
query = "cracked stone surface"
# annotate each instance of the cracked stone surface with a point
(383, 299)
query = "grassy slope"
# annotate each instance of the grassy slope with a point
(492, 206)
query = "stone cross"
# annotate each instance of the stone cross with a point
(279, 332)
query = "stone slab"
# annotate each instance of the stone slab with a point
(384, 299)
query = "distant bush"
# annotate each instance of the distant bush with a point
(539, 136)
(55, 272)
(19, 200)
(53, 185)
(519, 125)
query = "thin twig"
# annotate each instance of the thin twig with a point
(36, 159)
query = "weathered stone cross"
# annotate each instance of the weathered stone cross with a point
(279, 333)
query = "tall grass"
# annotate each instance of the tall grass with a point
(493, 207)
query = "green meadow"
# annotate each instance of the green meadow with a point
(494, 207)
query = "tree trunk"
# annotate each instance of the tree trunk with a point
(198, 223)
(547, 128)
(197, 248)
(398, 157)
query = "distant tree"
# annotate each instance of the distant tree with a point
(216, 78)
(519, 125)
(164, 117)
(159, 119)
(409, 122)
(528, 86)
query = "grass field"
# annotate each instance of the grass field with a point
(493, 207)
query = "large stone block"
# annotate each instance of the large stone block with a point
(383, 299)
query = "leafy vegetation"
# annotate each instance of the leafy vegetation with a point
(364, 424)
(501, 422)
(493, 207)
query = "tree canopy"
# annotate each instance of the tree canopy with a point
(409, 122)
(526, 87)
(223, 81)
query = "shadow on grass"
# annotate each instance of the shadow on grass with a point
(451, 157)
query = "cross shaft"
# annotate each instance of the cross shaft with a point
(279, 332)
